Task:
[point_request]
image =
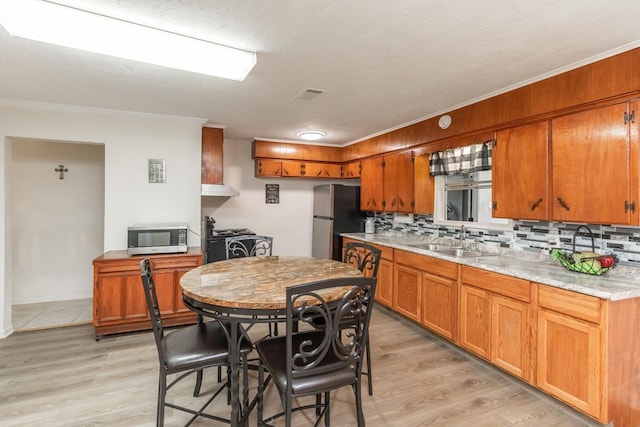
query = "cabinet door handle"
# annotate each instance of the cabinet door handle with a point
(401, 202)
(563, 204)
(536, 204)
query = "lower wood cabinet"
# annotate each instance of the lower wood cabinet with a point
(580, 349)
(495, 319)
(425, 291)
(118, 300)
(384, 285)
(571, 348)
(407, 291)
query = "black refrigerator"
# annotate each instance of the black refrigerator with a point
(336, 209)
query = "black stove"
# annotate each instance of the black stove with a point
(228, 233)
(214, 249)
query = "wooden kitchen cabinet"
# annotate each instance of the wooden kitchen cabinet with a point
(595, 165)
(587, 353)
(268, 168)
(118, 298)
(520, 173)
(211, 165)
(398, 182)
(351, 169)
(386, 183)
(495, 319)
(439, 296)
(425, 290)
(321, 170)
(384, 285)
(570, 348)
(407, 295)
(423, 186)
(371, 185)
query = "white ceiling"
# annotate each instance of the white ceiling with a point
(382, 62)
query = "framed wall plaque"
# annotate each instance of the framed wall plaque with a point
(157, 171)
(272, 193)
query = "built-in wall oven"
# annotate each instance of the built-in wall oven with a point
(214, 248)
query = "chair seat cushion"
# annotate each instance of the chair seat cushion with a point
(272, 352)
(197, 345)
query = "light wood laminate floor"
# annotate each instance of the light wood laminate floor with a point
(63, 377)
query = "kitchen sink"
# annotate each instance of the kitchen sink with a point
(462, 253)
(430, 246)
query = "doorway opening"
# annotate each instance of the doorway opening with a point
(57, 229)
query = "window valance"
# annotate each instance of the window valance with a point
(460, 160)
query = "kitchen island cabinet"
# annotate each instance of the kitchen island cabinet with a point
(118, 300)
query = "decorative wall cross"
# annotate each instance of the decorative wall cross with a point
(61, 169)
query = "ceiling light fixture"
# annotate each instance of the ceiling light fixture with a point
(311, 135)
(67, 26)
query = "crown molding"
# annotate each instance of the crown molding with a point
(65, 108)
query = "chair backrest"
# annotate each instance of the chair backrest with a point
(152, 304)
(334, 346)
(365, 257)
(248, 245)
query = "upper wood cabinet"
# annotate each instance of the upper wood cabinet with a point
(371, 185)
(423, 186)
(351, 169)
(268, 167)
(520, 173)
(386, 183)
(211, 165)
(595, 165)
(398, 182)
(321, 170)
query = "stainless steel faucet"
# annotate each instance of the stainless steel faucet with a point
(462, 236)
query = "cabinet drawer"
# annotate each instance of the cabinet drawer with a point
(387, 252)
(425, 263)
(508, 286)
(574, 304)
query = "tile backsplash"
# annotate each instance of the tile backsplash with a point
(532, 236)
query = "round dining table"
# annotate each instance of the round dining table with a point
(243, 292)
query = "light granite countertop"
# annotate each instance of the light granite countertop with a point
(621, 282)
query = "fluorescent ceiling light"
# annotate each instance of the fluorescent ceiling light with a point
(67, 26)
(311, 135)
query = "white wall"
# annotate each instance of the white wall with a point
(129, 140)
(57, 223)
(289, 222)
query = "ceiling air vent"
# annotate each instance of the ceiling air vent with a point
(309, 94)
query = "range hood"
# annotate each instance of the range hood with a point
(221, 190)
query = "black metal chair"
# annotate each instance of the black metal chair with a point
(185, 351)
(316, 361)
(248, 245)
(367, 259)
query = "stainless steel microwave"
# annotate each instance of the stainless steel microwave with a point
(147, 239)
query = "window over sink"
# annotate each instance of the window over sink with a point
(463, 187)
